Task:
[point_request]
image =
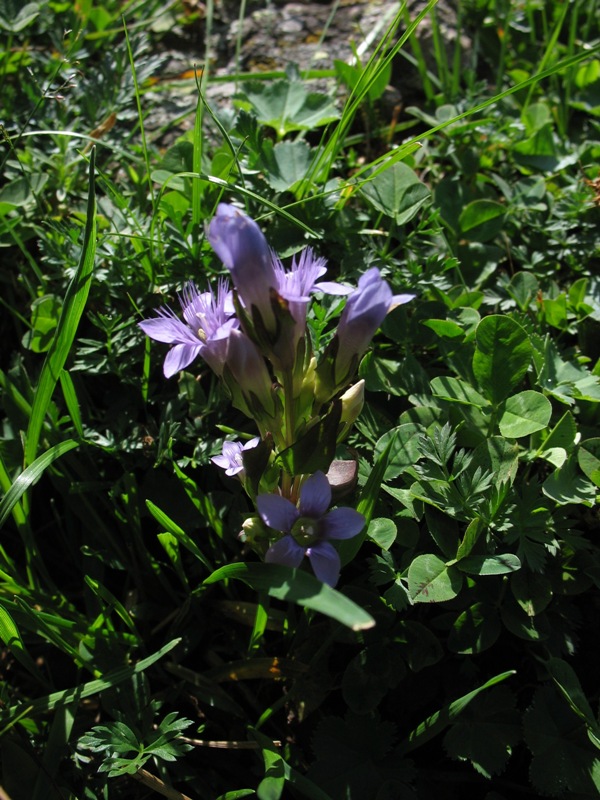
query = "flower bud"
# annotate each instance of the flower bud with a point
(353, 401)
(242, 247)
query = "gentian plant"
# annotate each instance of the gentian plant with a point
(255, 338)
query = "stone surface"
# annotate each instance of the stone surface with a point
(312, 35)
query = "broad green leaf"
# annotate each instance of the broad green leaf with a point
(445, 328)
(457, 391)
(24, 17)
(297, 586)
(397, 192)
(532, 591)
(499, 456)
(524, 414)
(288, 164)
(562, 434)
(489, 565)
(383, 532)
(286, 106)
(431, 581)
(403, 444)
(315, 449)
(502, 357)
(475, 629)
(588, 458)
(523, 289)
(481, 220)
(567, 485)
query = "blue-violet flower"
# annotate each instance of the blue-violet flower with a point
(242, 247)
(231, 459)
(365, 310)
(309, 527)
(209, 319)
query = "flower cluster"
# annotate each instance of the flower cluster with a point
(254, 337)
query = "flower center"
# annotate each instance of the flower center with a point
(305, 531)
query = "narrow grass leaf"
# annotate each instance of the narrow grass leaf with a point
(60, 699)
(179, 534)
(74, 303)
(11, 636)
(296, 586)
(436, 723)
(31, 475)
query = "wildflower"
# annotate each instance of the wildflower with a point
(248, 378)
(363, 313)
(300, 280)
(231, 459)
(209, 319)
(242, 247)
(309, 528)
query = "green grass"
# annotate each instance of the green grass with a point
(464, 624)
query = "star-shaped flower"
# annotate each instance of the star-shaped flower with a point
(309, 528)
(209, 319)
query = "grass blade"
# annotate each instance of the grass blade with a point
(75, 300)
(31, 475)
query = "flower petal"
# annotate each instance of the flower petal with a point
(325, 562)
(168, 328)
(286, 552)
(400, 299)
(315, 496)
(277, 512)
(341, 523)
(331, 287)
(179, 357)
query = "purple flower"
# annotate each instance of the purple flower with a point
(231, 459)
(296, 285)
(242, 247)
(248, 378)
(363, 313)
(209, 319)
(309, 527)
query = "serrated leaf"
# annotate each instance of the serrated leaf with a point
(348, 754)
(563, 758)
(486, 732)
